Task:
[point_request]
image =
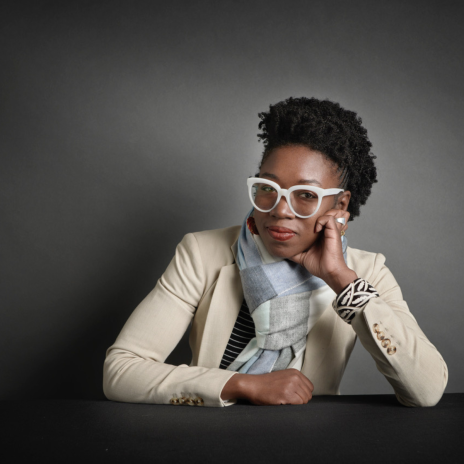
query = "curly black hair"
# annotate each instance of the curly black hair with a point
(324, 126)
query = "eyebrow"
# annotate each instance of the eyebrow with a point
(301, 181)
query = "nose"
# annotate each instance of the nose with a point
(282, 209)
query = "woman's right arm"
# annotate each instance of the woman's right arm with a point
(134, 370)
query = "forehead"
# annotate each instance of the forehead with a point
(293, 164)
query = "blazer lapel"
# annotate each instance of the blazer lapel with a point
(317, 343)
(223, 311)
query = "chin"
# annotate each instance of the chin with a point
(281, 251)
(283, 255)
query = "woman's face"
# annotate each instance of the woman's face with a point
(289, 166)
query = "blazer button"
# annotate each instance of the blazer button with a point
(391, 349)
(174, 401)
(183, 400)
(376, 328)
(199, 401)
(386, 342)
(380, 335)
(190, 402)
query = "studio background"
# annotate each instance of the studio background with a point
(125, 125)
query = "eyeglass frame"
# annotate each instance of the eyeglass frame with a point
(321, 193)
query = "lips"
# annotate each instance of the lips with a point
(281, 230)
(280, 233)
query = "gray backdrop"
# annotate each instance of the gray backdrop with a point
(125, 125)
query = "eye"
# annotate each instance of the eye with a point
(308, 195)
(268, 188)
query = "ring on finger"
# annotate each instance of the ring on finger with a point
(341, 220)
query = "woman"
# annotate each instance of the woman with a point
(277, 303)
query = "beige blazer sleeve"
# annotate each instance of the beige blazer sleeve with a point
(416, 370)
(134, 369)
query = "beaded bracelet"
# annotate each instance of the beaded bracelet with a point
(353, 298)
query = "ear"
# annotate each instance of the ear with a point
(342, 200)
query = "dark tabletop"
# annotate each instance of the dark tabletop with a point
(340, 429)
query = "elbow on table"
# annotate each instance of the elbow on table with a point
(427, 388)
(425, 398)
(420, 402)
(113, 368)
(109, 387)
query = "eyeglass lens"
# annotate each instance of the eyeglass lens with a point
(304, 202)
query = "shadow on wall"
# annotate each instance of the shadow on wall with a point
(74, 368)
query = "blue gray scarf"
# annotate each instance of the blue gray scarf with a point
(277, 292)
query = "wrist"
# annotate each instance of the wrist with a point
(337, 282)
(235, 388)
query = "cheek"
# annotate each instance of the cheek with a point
(259, 221)
(307, 234)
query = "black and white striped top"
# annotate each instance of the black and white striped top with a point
(242, 333)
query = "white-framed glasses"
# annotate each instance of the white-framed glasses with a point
(303, 200)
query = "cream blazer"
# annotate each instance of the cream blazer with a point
(202, 286)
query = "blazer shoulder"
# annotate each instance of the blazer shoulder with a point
(365, 263)
(215, 245)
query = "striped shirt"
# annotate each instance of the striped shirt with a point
(242, 333)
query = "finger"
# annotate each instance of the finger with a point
(328, 223)
(309, 385)
(302, 385)
(337, 213)
(297, 385)
(307, 390)
(329, 220)
(300, 397)
(345, 215)
(308, 382)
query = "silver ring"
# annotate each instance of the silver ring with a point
(341, 220)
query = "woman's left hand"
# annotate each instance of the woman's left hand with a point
(325, 257)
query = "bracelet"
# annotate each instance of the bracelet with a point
(353, 298)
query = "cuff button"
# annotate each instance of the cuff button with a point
(380, 335)
(386, 343)
(174, 401)
(376, 328)
(391, 349)
(199, 402)
(190, 402)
